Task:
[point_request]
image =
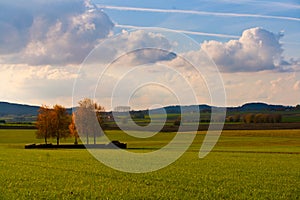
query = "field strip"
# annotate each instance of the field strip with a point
(267, 152)
(221, 151)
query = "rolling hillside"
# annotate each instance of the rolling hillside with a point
(20, 112)
(17, 109)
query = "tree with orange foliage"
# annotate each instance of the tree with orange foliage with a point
(45, 123)
(248, 118)
(53, 122)
(73, 130)
(61, 123)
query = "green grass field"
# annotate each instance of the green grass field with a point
(243, 165)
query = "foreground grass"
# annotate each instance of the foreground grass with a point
(230, 174)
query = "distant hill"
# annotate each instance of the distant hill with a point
(248, 107)
(17, 109)
(261, 107)
(14, 109)
(177, 109)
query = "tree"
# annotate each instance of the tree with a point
(262, 118)
(177, 122)
(73, 130)
(53, 122)
(229, 119)
(236, 118)
(44, 123)
(278, 118)
(61, 123)
(258, 118)
(88, 119)
(248, 118)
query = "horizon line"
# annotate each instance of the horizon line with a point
(200, 104)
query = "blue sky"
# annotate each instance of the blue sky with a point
(213, 24)
(255, 45)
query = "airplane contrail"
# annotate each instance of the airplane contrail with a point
(180, 31)
(194, 12)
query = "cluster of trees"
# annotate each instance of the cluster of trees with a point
(255, 118)
(177, 122)
(57, 123)
(53, 123)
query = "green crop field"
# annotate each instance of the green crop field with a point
(243, 165)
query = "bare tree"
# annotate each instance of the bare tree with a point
(87, 119)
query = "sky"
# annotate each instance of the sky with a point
(148, 52)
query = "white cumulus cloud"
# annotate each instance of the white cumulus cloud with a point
(256, 50)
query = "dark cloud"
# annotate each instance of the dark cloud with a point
(15, 24)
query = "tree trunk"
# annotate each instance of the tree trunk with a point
(57, 139)
(45, 139)
(94, 138)
(76, 142)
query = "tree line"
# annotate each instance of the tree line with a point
(56, 123)
(255, 118)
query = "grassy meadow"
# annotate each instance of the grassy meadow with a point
(244, 165)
